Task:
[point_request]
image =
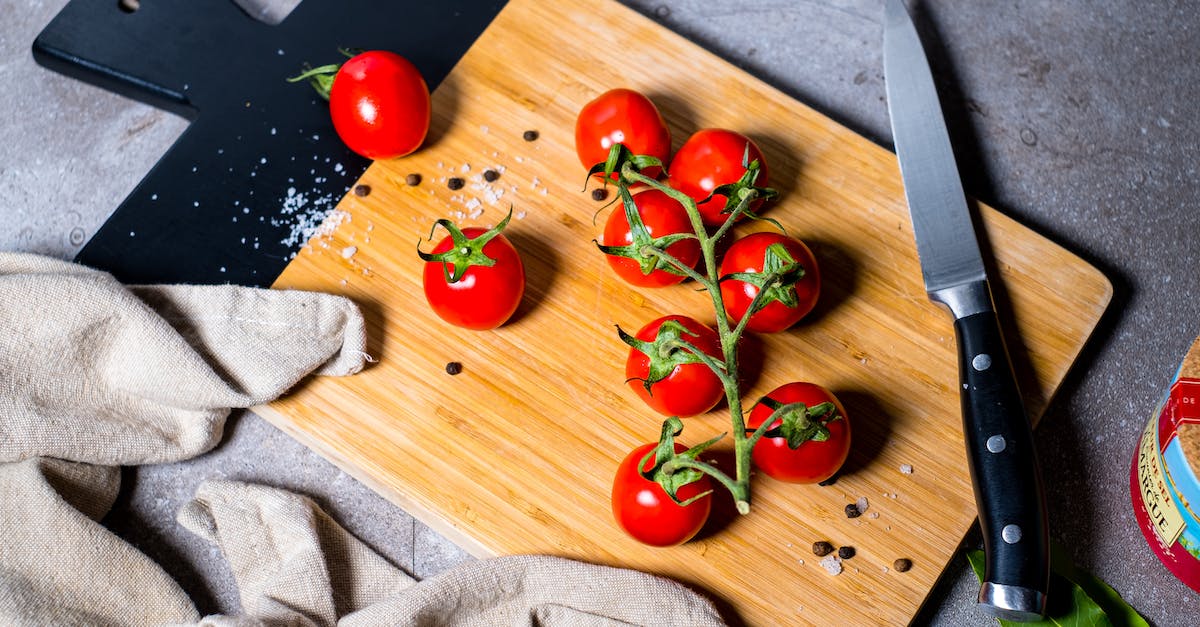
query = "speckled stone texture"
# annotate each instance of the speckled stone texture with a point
(1077, 118)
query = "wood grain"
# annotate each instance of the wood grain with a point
(516, 454)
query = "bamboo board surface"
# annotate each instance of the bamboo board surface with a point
(484, 457)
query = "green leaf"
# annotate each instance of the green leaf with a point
(1076, 598)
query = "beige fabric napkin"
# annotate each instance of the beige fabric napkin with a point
(94, 375)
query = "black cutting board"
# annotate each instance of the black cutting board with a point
(230, 201)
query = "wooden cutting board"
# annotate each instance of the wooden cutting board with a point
(516, 454)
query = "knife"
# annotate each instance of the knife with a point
(999, 439)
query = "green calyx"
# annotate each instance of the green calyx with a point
(464, 252)
(778, 278)
(321, 78)
(673, 470)
(745, 189)
(798, 423)
(618, 157)
(648, 251)
(669, 349)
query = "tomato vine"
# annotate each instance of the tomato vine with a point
(740, 196)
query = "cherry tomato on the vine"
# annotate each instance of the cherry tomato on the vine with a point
(646, 512)
(621, 116)
(483, 297)
(813, 461)
(378, 101)
(684, 387)
(786, 302)
(710, 158)
(661, 216)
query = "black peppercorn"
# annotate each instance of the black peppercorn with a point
(822, 548)
(455, 183)
(530, 135)
(413, 179)
(362, 190)
(453, 368)
(490, 175)
(852, 511)
(902, 565)
(846, 552)
(599, 193)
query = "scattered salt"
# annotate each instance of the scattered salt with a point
(131, 234)
(473, 203)
(466, 167)
(906, 469)
(222, 268)
(337, 167)
(262, 160)
(832, 564)
(153, 196)
(484, 128)
(520, 159)
(520, 215)
(873, 515)
(349, 251)
(862, 504)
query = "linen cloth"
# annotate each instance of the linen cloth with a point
(95, 375)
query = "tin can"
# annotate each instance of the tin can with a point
(1163, 479)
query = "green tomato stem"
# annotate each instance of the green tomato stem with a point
(730, 335)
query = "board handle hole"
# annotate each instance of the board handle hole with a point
(129, 6)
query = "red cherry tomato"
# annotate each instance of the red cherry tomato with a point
(688, 389)
(380, 105)
(485, 297)
(710, 158)
(813, 461)
(749, 255)
(661, 216)
(621, 116)
(646, 512)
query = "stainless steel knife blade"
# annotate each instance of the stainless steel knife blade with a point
(999, 439)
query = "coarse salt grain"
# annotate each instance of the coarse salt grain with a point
(466, 167)
(832, 564)
(473, 203)
(862, 504)
(349, 251)
(906, 469)
(873, 515)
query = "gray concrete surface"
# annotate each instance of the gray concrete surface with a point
(1078, 118)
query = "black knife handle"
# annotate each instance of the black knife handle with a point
(1005, 473)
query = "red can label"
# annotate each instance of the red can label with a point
(1164, 485)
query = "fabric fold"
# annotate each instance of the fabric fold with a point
(94, 375)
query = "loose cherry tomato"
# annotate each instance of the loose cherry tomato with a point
(679, 385)
(661, 216)
(710, 158)
(378, 101)
(813, 461)
(621, 116)
(786, 302)
(481, 296)
(646, 512)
